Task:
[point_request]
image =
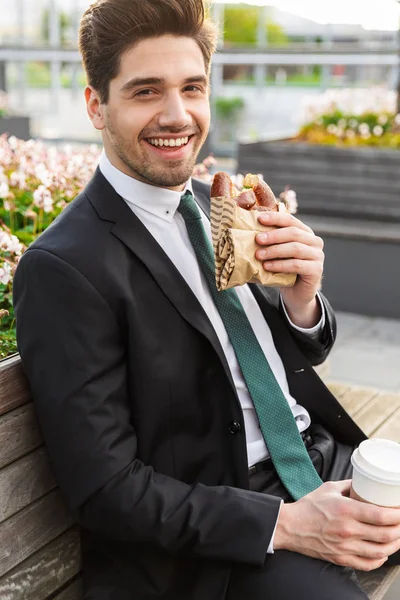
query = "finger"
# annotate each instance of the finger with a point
(305, 268)
(376, 515)
(341, 487)
(376, 534)
(289, 234)
(359, 563)
(290, 250)
(281, 219)
(371, 550)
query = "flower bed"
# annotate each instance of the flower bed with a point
(352, 117)
(36, 183)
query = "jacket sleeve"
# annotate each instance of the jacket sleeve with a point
(315, 350)
(75, 359)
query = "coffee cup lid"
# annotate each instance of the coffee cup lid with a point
(378, 459)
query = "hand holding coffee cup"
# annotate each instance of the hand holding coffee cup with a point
(376, 473)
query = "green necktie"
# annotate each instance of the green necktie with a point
(277, 423)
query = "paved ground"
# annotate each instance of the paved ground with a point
(367, 352)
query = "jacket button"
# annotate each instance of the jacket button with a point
(235, 428)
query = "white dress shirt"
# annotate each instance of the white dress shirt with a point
(157, 209)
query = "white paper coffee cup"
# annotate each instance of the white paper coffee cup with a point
(376, 472)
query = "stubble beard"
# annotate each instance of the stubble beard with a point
(173, 174)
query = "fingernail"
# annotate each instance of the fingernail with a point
(265, 216)
(263, 238)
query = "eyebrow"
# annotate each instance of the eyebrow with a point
(139, 81)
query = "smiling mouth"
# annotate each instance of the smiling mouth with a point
(169, 142)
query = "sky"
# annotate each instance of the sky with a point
(372, 14)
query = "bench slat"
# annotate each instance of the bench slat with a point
(73, 592)
(376, 583)
(337, 389)
(19, 434)
(31, 529)
(14, 389)
(356, 398)
(376, 412)
(46, 572)
(23, 482)
(391, 428)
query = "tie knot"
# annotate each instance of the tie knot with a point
(188, 207)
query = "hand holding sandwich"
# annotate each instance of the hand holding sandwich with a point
(294, 248)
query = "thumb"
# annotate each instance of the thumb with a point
(343, 487)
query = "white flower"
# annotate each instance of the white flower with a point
(5, 273)
(363, 129)
(377, 130)
(14, 246)
(4, 189)
(353, 123)
(3, 239)
(17, 178)
(350, 133)
(382, 119)
(397, 119)
(42, 198)
(332, 129)
(290, 198)
(342, 123)
(13, 142)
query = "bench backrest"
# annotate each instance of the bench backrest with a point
(39, 544)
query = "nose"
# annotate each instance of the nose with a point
(174, 113)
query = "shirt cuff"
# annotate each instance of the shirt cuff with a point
(271, 544)
(314, 331)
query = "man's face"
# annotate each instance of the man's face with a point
(158, 114)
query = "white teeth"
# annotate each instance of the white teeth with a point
(172, 143)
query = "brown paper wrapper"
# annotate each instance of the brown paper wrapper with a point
(234, 230)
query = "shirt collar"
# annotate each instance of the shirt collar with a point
(157, 201)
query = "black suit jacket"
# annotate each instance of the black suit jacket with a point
(136, 404)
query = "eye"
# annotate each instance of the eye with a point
(144, 93)
(193, 88)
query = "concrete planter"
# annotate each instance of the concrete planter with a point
(18, 126)
(351, 198)
(354, 182)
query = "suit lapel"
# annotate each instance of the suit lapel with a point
(128, 228)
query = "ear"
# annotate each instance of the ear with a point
(94, 108)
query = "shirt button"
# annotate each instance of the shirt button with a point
(235, 428)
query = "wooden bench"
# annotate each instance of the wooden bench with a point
(39, 543)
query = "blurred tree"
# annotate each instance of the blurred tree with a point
(64, 21)
(240, 27)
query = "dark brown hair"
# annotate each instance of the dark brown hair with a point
(109, 28)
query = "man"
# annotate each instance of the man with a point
(139, 371)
